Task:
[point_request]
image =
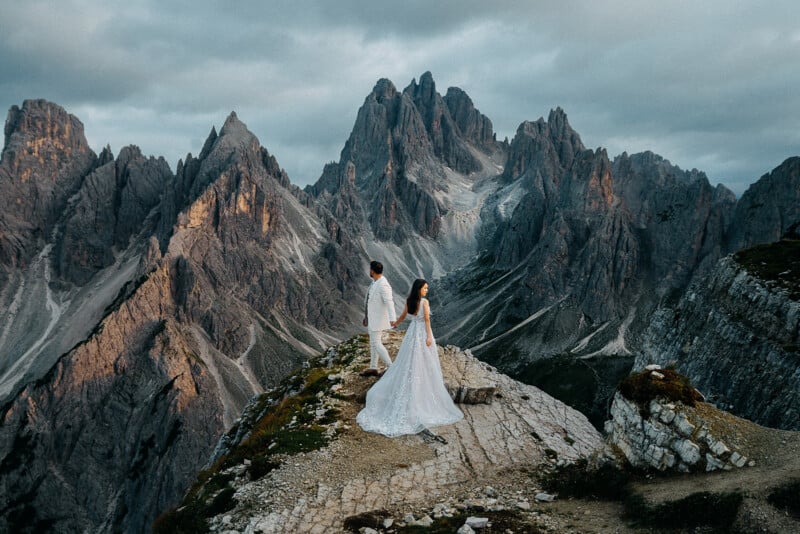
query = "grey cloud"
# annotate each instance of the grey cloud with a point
(708, 85)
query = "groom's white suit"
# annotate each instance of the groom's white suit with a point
(379, 313)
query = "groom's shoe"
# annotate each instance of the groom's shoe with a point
(370, 372)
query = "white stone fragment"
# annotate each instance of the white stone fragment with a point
(687, 450)
(683, 425)
(655, 407)
(477, 522)
(424, 521)
(738, 460)
(718, 447)
(545, 497)
(712, 463)
(667, 415)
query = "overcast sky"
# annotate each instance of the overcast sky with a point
(712, 85)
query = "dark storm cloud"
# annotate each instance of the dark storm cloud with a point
(708, 85)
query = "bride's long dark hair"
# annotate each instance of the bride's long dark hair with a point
(414, 297)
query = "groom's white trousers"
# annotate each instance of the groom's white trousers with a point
(377, 350)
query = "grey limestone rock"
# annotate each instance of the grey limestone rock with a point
(769, 207)
(733, 336)
(647, 441)
(45, 158)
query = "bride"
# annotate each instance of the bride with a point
(410, 397)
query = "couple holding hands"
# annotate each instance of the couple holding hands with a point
(410, 396)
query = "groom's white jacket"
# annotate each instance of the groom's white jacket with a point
(380, 305)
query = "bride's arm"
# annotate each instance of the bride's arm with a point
(401, 318)
(426, 310)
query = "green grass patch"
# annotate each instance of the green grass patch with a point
(787, 498)
(641, 387)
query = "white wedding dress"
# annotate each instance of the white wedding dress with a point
(410, 396)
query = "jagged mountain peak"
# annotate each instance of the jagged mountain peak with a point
(556, 128)
(41, 130)
(384, 89)
(425, 89)
(235, 132)
(769, 206)
(44, 160)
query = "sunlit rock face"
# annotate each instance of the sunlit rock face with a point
(159, 307)
(44, 160)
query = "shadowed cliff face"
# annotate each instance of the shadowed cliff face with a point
(735, 334)
(564, 250)
(578, 251)
(769, 207)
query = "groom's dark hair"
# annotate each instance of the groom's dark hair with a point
(376, 266)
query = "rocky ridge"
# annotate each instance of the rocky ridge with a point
(497, 444)
(210, 309)
(411, 178)
(45, 157)
(296, 461)
(730, 313)
(669, 436)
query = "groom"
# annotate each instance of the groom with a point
(378, 314)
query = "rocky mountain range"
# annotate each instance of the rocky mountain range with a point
(140, 309)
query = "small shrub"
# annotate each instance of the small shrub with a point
(373, 520)
(183, 520)
(261, 466)
(642, 387)
(787, 497)
(576, 480)
(715, 510)
(222, 502)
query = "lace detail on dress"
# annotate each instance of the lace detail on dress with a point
(411, 395)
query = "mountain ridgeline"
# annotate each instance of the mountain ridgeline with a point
(141, 309)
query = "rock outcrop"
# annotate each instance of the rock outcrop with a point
(109, 209)
(351, 472)
(670, 437)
